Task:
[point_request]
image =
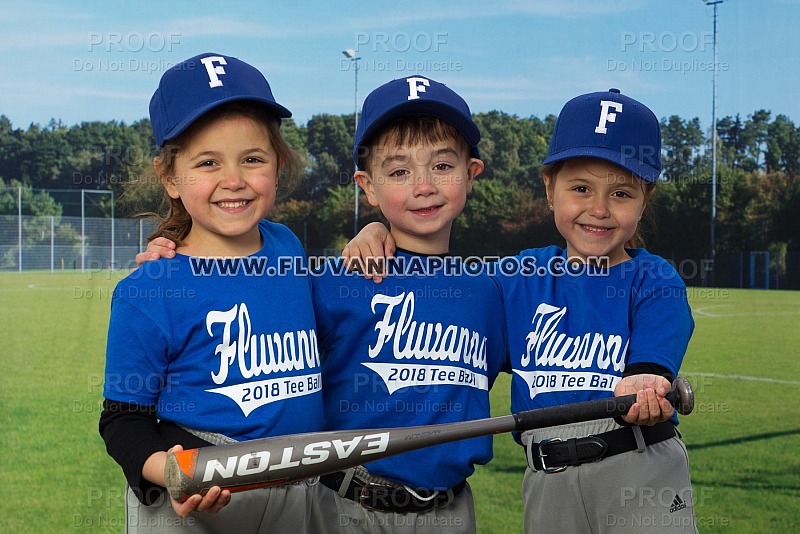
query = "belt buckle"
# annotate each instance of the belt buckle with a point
(364, 493)
(542, 456)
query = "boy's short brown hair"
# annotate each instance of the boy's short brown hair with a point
(411, 130)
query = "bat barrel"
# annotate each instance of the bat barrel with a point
(284, 459)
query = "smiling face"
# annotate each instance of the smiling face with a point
(226, 176)
(420, 188)
(597, 207)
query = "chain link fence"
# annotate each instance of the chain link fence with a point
(75, 243)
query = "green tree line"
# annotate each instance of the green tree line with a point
(758, 190)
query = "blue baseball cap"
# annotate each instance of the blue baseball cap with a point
(199, 84)
(414, 95)
(609, 126)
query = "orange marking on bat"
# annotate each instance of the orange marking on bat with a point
(187, 461)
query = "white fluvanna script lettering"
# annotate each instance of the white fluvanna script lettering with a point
(420, 340)
(550, 347)
(258, 354)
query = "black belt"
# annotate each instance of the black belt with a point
(390, 498)
(557, 454)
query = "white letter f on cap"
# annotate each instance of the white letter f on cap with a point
(605, 116)
(416, 86)
(213, 71)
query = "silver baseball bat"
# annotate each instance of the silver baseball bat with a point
(285, 459)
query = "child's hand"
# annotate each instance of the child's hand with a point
(212, 502)
(373, 242)
(160, 247)
(651, 406)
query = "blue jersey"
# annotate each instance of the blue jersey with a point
(423, 347)
(221, 345)
(572, 330)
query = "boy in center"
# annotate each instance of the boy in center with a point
(426, 347)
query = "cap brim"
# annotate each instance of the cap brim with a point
(646, 172)
(279, 111)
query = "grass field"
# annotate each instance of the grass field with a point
(743, 439)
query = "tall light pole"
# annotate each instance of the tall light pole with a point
(351, 55)
(714, 135)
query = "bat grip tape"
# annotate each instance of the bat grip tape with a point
(213, 438)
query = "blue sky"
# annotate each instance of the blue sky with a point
(93, 60)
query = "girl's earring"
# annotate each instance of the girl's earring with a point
(550, 205)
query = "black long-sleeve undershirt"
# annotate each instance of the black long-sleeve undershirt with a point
(133, 433)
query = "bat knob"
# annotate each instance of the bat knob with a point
(179, 468)
(684, 402)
